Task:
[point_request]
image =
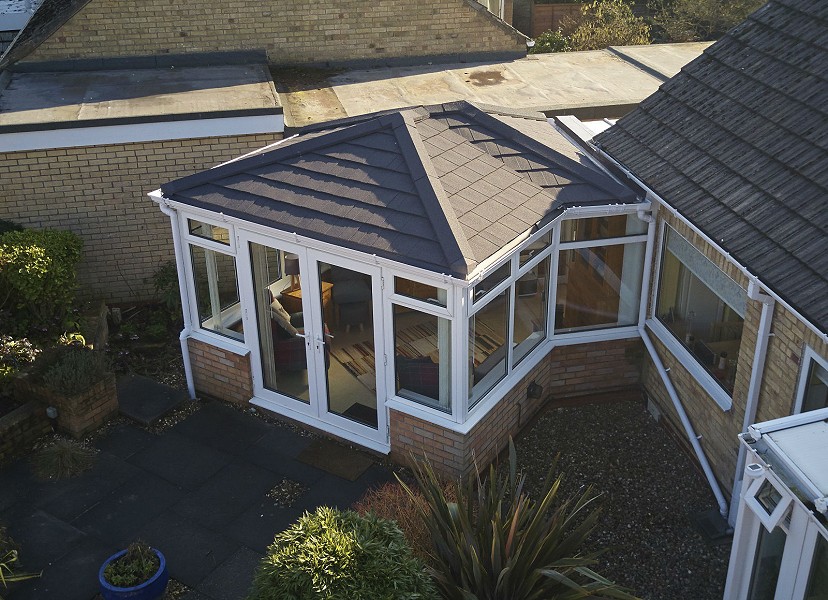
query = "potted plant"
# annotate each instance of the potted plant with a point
(137, 573)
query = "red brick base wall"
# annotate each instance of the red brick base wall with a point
(220, 373)
(20, 428)
(567, 371)
(77, 415)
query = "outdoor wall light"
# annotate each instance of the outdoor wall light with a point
(754, 470)
(534, 390)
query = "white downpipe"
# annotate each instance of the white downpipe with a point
(756, 374)
(685, 421)
(182, 287)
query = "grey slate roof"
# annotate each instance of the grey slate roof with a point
(441, 188)
(737, 143)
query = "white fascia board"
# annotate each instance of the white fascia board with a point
(74, 137)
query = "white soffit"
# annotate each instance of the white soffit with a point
(74, 137)
(806, 448)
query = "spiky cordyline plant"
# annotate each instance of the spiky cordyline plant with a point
(496, 543)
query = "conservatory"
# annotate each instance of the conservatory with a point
(780, 544)
(404, 275)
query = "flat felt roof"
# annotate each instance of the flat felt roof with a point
(54, 100)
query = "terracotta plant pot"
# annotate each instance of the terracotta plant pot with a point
(151, 589)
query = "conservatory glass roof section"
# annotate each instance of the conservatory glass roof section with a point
(441, 188)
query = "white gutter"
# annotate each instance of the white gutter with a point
(182, 287)
(685, 421)
(756, 374)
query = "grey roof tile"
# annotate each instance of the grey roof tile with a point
(431, 187)
(737, 143)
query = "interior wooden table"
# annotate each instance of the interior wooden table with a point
(292, 300)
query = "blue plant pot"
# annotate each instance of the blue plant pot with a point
(152, 589)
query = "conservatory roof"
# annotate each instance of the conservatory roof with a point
(440, 187)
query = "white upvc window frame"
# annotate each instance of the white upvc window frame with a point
(809, 358)
(688, 361)
(237, 345)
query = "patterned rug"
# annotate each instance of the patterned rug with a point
(416, 341)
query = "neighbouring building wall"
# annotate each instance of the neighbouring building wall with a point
(219, 373)
(100, 193)
(719, 428)
(566, 371)
(291, 32)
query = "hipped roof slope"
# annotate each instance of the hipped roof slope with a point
(737, 143)
(442, 187)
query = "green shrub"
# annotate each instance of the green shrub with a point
(138, 565)
(61, 460)
(496, 543)
(37, 274)
(605, 23)
(333, 555)
(551, 41)
(75, 370)
(14, 355)
(165, 281)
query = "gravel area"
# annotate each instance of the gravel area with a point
(649, 488)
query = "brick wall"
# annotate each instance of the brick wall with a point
(100, 193)
(718, 428)
(567, 371)
(291, 32)
(20, 428)
(220, 374)
(77, 415)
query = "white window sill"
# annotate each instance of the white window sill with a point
(689, 362)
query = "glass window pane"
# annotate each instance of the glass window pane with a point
(280, 322)
(420, 291)
(209, 232)
(217, 292)
(599, 287)
(492, 281)
(531, 302)
(701, 320)
(816, 390)
(422, 357)
(818, 578)
(601, 228)
(487, 346)
(766, 565)
(535, 248)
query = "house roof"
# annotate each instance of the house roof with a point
(47, 19)
(441, 187)
(737, 141)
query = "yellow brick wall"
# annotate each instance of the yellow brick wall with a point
(100, 193)
(291, 32)
(718, 428)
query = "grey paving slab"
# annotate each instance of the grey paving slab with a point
(124, 440)
(179, 460)
(227, 494)
(72, 577)
(80, 494)
(42, 538)
(279, 441)
(223, 428)
(147, 401)
(257, 525)
(192, 550)
(120, 516)
(231, 580)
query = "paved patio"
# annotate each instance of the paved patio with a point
(198, 492)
